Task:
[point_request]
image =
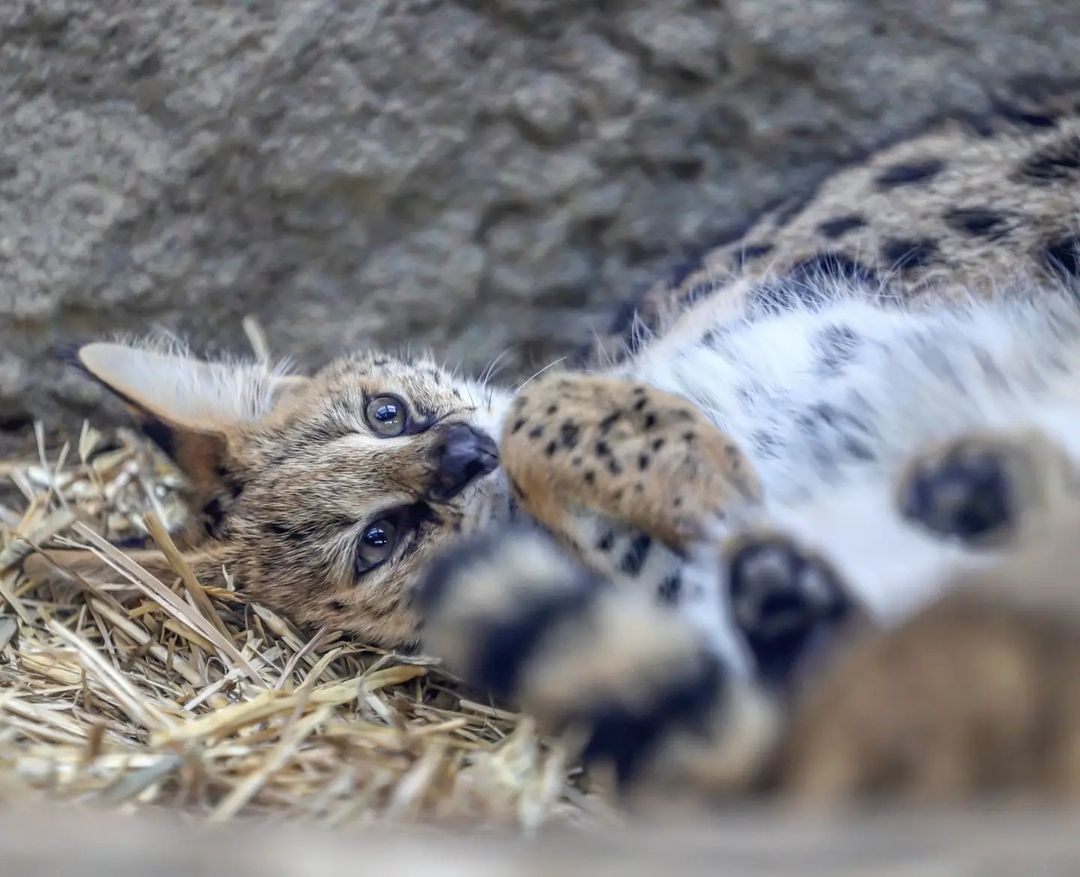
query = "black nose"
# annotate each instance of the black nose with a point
(464, 455)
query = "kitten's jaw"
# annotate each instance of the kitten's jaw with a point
(486, 502)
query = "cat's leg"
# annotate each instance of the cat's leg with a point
(979, 489)
(978, 692)
(578, 446)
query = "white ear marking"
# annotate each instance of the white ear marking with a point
(199, 395)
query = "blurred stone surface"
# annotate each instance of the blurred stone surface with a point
(477, 176)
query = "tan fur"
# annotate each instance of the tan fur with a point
(986, 177)
(970, 695)
(286, 474)
(978, 695)
(636, 454)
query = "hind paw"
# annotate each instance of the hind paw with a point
(786, 603)
(977, 489)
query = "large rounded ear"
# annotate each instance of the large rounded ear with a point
(188, 407)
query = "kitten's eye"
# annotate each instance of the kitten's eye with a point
(376, 545)
(387, 416)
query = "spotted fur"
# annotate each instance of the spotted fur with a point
(795, 446)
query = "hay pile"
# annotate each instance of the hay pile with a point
(148, 694)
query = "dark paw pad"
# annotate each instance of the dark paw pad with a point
(785, 604)
(964, 495)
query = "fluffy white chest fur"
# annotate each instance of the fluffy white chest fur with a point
(829, 403)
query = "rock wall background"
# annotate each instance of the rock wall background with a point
(479, 176)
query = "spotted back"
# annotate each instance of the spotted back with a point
(966, 206)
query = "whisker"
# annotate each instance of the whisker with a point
(535, 375)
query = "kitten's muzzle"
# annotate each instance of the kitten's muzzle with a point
(464, 454)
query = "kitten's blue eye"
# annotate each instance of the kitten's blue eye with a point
(376, 545)
(387, 416)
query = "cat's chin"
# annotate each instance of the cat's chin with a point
(486, 503)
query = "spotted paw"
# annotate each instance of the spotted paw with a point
(512, 614)
(488, 603)
(787, 604)
(581, 447)
(976, 489)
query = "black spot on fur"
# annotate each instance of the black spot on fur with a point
(614, 467)
(569, 433)
(1025, 116)
(903, 254)
(602, 448)
(536, 432)
(552, 409)
(610, 421)
(658, 444)
(589, 477)
(981, 222)
(668, 590)
(765, 444)
(1054, 164)
(624, 735)
(636, 555)
(505, 647)
(643, 462)
(649, 422)
(806, 284)
(833, 432)
(836, 346)
(909, 173)
(336, 606)
(552, 446)
(841, 225)
(640, 403)
(751, 252)
(518, 424)
(606, 542)
(1063, 258)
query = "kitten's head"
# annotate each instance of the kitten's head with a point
(323, 497)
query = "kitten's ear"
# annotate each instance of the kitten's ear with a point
(188, 407)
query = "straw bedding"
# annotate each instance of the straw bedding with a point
(146, 694)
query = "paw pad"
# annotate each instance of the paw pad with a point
(784, 603)
(965, 494)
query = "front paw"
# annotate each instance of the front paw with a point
(582, 447)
